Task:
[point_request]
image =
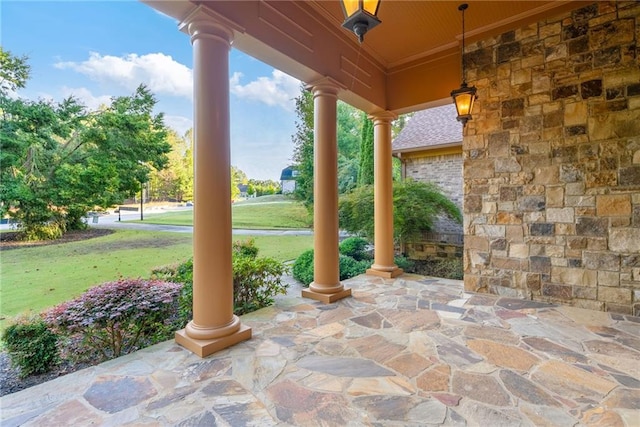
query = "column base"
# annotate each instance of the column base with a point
(387, 274)
(204, 348)
(326, 298)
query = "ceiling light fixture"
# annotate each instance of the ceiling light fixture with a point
(465, 96)
(360, 16)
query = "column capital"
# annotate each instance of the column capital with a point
(204, 23)
(383, 117)
(325, 86)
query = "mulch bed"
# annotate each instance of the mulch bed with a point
(9, 240)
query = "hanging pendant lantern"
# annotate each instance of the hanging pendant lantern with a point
(465, 96)
(360, 16)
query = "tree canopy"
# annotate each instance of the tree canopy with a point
(416, 205)
(59, 160)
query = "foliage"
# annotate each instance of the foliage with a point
(14, 71)
(348, 134)
(404, 263)
(59, 161)
(118, 317)
(303, 148)
(416, 205)
(258, 188)
(32, 346)
(237, 177)
(356, 248)
(348, 140)
(349, 267)
(245, 249)
(365, 175)
(448, 268)
(303, 267)
(175, 181)
(256, 281)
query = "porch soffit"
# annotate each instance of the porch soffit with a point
(409, 62)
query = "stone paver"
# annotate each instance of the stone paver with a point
(412, 351)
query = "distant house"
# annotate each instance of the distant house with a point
(288, 179)
(430, 149)
(243, 188)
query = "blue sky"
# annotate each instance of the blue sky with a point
(94, 50)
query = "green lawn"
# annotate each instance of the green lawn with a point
(40, 277)
(268, 212)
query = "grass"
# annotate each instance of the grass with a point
(261, 213)
(37, 278)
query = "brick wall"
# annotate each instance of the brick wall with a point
(552, 161)
(444, 170)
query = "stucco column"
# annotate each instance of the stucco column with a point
(384, 264)
(214, 326)
(326, 286)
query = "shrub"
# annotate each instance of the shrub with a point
(47, 231)
(118, 317)
(416, 205)
(349, 267)
(450, 268)
(404, 263)
(356, 248)
(245, 248)
(32, 346)
(256, 281)
(303, 267)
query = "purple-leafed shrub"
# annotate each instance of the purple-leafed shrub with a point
(118, 317)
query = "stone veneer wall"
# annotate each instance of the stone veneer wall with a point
(552, 161)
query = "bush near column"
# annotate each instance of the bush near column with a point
(353, 260)
(356, 248)
(256, 281)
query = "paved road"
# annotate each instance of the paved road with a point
(111, 221)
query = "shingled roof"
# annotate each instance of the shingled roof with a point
(431, 128)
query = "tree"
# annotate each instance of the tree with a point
(237, 177)
(14, 72)
(416, 205)
(257, 187)
(60, 161)
(303, 148)
(365, 174)
(348, 137)
(175, 181)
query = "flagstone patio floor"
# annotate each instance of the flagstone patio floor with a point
(411, 351)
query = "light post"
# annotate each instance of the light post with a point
(141, 199)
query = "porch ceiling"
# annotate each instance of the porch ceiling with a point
(410, 61)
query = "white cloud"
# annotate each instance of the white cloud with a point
(180, 124)
(158, 71)
(278, 90)
(85, 97)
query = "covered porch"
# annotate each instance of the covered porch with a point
(551, 155)
(406, 351)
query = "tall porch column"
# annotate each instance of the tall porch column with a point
(384, 264)
(214, 326)
(326, 286)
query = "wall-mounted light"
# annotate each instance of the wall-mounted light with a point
(360, 16)
(465, 96)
